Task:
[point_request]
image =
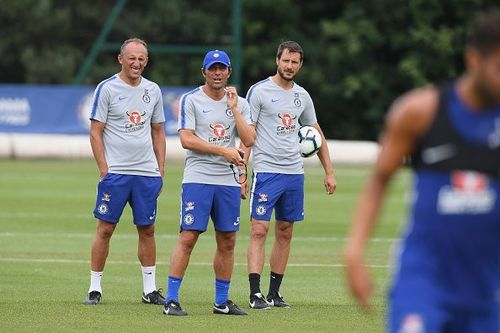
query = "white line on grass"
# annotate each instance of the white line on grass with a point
(121, 262)
(174, 236)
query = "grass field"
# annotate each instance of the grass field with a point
(46, 229)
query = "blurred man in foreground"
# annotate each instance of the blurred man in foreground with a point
(448, 269)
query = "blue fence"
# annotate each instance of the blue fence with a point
(63, 109)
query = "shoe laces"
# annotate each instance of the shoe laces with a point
(175, 303)
(231, 303)
(157, 292)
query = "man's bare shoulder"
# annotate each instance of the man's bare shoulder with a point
(415, 109)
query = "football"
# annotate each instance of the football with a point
(309, 141)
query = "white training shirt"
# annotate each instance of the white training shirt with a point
(214, 123)
(278, 114)
(128, 112)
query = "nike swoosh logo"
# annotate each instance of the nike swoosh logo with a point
(149, 273)
(236, 223)
(224, 310)
(122, 97)
(206, 111)
(274, 100)
(146, 299)
(439, 153)
(252, 304)
(152, 217)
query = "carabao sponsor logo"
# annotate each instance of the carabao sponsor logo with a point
(220, 132)
(136, 120)
(288, 124)
(469, 193)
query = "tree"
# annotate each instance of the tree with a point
(359, 54)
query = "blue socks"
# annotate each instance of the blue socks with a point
(173, 286)
(221, 291)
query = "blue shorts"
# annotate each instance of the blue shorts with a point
(219, 202)
(419, 311)
(419, 302)
(282, 192)
(115, 190)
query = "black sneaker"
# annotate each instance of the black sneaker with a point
(173, 308)
(228, 308)
(257, 301)
(153, 297)
(92, 298)
(277, 300)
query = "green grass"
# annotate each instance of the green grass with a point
(46, 229)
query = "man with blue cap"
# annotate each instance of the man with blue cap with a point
(210, 117)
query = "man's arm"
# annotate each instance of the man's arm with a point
(97, 144)
(407, 120)
(324, 157)
(189, 140)
(254, 103)
(246, 132)
(245, 186)
(159, 145)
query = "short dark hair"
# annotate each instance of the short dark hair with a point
(292, 47)
(133, 40)
(484, 34)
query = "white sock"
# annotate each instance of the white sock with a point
(95, 281)
(149, 279)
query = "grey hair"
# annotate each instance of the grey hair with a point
(133, 40)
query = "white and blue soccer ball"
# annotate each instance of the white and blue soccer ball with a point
(309, 141)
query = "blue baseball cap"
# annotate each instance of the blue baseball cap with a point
(216, 57)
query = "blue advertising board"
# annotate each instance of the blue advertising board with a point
(64, 109)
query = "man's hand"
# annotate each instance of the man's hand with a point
(358, 278)
(330, 184)
(232, 97)
(244, 187)
(234, 157)
(103, 173)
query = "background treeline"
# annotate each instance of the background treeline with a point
(360, 54)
